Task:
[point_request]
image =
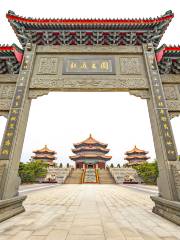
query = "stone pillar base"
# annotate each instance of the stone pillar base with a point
(11, 207)
(167, 209)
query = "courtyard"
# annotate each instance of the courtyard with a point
(88, 212)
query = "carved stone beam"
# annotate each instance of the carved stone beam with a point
(89, 49)
(4, 113)
(143, 94)
(33, 94)
(170, 78)
(8, 78)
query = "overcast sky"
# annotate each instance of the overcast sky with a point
(61, 119)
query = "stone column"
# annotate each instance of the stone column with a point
(165, 146)
(13, 139)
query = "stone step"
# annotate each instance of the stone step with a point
(75, 177)
(105, 177)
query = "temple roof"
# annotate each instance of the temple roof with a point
(76, 157)
(90, 141)
(44, 150)
(44, 156)
(136, 157)
(10, 59)
(90, 148)
(89, 31)
(168, 58)
(136, 150)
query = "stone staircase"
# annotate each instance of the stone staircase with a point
(105, 177)
(90, 176)
(74, 177)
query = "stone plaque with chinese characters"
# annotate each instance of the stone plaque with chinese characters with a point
(89, 65)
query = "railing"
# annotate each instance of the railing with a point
(97, 175)
(83, 176)
(90, 176)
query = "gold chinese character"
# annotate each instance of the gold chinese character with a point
(18, 97)
(164, 119)
(166, 126)
(160, 104)
(9, 134)
(169, 143)
(5, 152)
(13, 118)
(167, 134)
(93, 66)
(11, 125)
(104, 65)
(83, 66)
(162, 111)
(14, 111)
(159, 97)
(16, 103)
(7, 143)
(73, 65)
(171, 152)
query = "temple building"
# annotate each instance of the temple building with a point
(90, 154)
(46, 155)
(136, 157)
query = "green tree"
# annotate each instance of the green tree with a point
(60, 165)
(67, 165)
(118, 165)
(148, 172)
(31, 171)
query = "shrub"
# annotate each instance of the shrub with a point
(148, 172)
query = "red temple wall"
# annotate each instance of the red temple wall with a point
(100, 165)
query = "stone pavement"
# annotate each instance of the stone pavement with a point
(88, 212)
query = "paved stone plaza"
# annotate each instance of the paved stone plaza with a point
(86, 212)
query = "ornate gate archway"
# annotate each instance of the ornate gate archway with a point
(90, 55)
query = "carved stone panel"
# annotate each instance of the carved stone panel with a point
(2, 169)
(170, 92)
(48, 65)
(130, 65)
(5, 104)
(6, 91)
(173, 105)
(52, 82)
(176, 175)
(117, 83)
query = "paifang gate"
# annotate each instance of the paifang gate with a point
(90, 55)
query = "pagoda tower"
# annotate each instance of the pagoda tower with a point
(136, 157)
(90, 154)
(45, 155)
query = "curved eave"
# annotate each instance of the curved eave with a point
(164, 51)
(39, 157)
(78, 157)
(80, 23)
(44, 152)
(79, 150)
(168, 58)
(153, 26)
(78, 145)
(7, 51)
(136, 157)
